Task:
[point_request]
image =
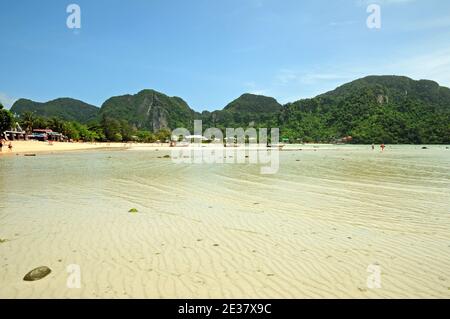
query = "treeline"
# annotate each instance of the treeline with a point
(103, 130)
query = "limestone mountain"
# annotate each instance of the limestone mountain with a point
(374, 109)
(247, 110)
(389, 109)
(149, 110)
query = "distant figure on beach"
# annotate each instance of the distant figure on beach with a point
(1, 144)
(382, 147)
(10, 147)
(373, 147)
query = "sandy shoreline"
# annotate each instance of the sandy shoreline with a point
(35, 147)
(31, 147)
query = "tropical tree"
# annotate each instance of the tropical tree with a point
(56, 124)
(6, 119)
(28, 121)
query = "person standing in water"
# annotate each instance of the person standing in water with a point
(382, 147)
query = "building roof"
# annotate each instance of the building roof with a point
(43, 131)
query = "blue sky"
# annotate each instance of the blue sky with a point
(209, 52)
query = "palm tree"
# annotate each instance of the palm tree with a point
(28, 119)
(56, 124)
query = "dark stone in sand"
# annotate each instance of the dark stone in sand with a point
(37, 274)
(424, 148)
(166, 156)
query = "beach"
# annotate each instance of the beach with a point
(29, 147)
(313, 230)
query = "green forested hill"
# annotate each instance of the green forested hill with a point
(64, 108)
(389, 109)
(248, 109)
(149, 110)
(374, 109)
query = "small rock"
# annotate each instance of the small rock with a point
(133, 210)
(37, 274)
(3, 240)
(166, 156)
(362, 289)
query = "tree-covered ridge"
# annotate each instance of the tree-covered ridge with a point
(247, 110)
(149, 110)
(251, 103)
(378, 109)
(375, 109)
(64, 108)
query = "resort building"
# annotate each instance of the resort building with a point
(15, 133)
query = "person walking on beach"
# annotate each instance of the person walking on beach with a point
(10, 147)
(373, 147)
(382, 147)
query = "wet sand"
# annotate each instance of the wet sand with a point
(226, 231)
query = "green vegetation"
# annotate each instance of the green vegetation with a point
(247, 110)
(375, 109)
(6, 119)
(133, 211)
(64, 108)
(148, 111)
(104, 130)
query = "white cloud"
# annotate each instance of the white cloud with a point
(431, 66)
(6, 100)
(289, 76)
(252, 88)
(289, 85)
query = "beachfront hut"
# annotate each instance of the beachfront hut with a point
(15, 133)
(55, 137)
(46, 135)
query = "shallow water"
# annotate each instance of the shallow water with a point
(226, 231)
